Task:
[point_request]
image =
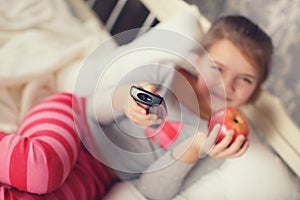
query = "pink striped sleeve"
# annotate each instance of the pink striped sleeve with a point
(40, 157)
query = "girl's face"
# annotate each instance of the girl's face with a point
(229, 79)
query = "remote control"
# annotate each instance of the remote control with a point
(145, 97)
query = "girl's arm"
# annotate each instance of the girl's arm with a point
(164, 178)
(111, 102)
(108, 103)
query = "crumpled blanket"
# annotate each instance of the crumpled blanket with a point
(38, 39)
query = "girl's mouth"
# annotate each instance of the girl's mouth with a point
(220, 97)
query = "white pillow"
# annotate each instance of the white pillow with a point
(259, 174)
(170, 40)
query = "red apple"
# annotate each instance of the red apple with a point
(229, 118)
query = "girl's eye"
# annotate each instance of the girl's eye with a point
(247, 80)
(217, 68)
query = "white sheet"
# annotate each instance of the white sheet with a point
(38, 39)
(258, 174)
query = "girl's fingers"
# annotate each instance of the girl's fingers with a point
(139, 115)
(233, 150)
(223, 145)
(227, 149)
(242, 150)
(149, 87)
(138, 112)
(210, 140)
(146, 120)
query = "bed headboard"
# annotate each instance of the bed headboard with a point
(122, 15)
(270, 118)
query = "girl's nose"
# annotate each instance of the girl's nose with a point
(229, 86)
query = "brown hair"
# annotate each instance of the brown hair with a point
(248, 37)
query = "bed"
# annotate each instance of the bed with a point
(70, 30)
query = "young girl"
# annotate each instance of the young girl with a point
(241, 54)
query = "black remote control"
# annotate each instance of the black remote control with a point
(145, 97)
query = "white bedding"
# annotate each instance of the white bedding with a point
(258, 174)
(42, 46)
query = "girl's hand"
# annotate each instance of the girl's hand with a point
(199, 145)
(138, 112)
(189, 150)
(222, 150)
